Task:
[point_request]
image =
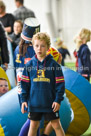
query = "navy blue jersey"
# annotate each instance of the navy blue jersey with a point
(20, 61)
(84, 61)
(42, 83)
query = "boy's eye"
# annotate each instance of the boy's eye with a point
(36, 46)
(43, 46)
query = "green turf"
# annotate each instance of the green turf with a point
(88, 132)
(72, 66)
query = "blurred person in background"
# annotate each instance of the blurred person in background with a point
(76, 57)
(4, 88)
(4, 55)
(22, 12)
(14, 38)
(83, 52)
(62, 49)
(7, 19)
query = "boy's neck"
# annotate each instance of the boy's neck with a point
(40, 58)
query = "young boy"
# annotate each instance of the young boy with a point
(4, 88)
(42, 86)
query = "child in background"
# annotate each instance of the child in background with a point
(4, 88)
(14, 38)
(62, 49)
(24, 51)
(83, 52)
(43, 76)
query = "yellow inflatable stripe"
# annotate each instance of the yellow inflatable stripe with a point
(1, 131)
(81, 119)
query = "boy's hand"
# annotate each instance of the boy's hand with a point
(24, 104)
(55, 106)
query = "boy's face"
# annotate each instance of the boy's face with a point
(40, 48)
(3, 87)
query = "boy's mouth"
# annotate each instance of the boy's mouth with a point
(39, 53)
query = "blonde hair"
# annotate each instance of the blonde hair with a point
(42, 37)
(60, 43)
(84, 36)
(2, 5)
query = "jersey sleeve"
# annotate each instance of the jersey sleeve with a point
(25, 85)
(59, 84)
(86, 61)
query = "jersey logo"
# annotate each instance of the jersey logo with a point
(41, 77)
(18, 58)
(41, 73)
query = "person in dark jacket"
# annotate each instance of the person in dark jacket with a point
(15, 37)
(4, 55)
(83, 53)
(42, 77)
(7, 19)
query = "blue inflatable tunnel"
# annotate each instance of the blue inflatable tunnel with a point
(11, 118)
(78, 91)
(75, 111)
